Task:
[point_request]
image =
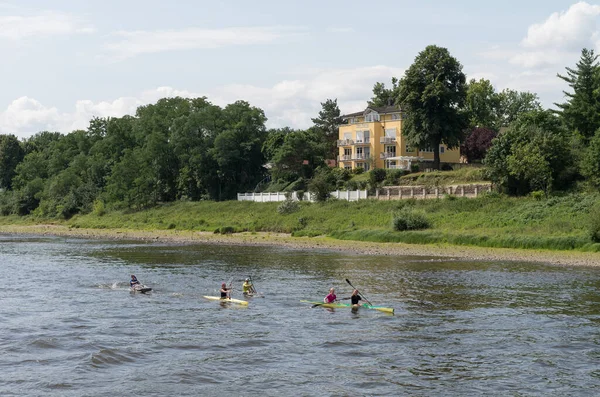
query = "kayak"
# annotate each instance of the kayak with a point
(340, 305)
(228, 300)
(140, 288)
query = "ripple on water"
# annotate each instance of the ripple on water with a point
(108, 357)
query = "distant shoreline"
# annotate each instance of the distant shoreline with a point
(564, 258)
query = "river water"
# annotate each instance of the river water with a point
(70, 327)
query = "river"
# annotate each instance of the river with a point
(70, 327)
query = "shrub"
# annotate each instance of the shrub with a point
(538, 195)
(415, 167)
(227, 230)
(410, 219)
(288, 206)
(594, 225)
(300, 194)
(358, 170)
(376, 176)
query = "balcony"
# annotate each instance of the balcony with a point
(364, 141)
(345, 142)
(345, 157)
(360, 156)
(387, 155)
(386, 139)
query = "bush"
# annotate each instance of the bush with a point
(227, 230)
(594, 225)
(288, 206)
(300, 194)
(376, 176)
(410, 219)
(415, 167)
(99, 208)
(358, 170)
(538, 195)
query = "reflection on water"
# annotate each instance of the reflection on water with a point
(68, 325)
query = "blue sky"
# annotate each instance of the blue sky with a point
(66, 61)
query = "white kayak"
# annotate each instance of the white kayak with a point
(140, 288)
(227, 300)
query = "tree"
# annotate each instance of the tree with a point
(513, 103)
(328, 123)
(482, 104)
(432, 93)
(532, 154)
(384, 96)
(477, 143)
(581, 111)
(590, 164)
(11, 154)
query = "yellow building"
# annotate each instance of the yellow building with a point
(373, 139)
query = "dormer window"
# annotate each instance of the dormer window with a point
(371, 117)
(396, 116)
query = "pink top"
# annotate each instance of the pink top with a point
(330, 298)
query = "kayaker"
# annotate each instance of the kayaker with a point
(331, 297)
(247, 287)
(355, 297)
(133, 281)
(225, 292)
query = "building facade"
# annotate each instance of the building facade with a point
(373, 139)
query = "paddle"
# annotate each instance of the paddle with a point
(359, 294)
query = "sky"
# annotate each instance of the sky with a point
(66, 61)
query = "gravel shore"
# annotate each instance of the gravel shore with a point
(565, 258)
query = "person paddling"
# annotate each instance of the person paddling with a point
(331, 297)
(355, 298)
(225, 292)
(134, 281)
(247, 287)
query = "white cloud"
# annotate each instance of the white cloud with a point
(570, 30)
(287, 103)
(133, 43)
(558, 39)
(15, 27)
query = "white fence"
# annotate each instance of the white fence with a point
(349, 195)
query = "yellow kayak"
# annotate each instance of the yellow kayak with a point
(228, 300)
(339, 305)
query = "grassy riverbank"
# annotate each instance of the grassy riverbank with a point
(559, 223)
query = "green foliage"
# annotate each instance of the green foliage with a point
(594, 224)
(531, 155)
(11, 154)
(581, 112)
(409, 219)
(482, 104)
(432, 93)
(288, 206)
(384, 96)
(99, 208)
(538, 195)
(376, 176)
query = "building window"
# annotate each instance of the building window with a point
(396, 116)
(347, 152)
(390, 150)
(390, 133)
(352, 120)
(442, 149)
(371, 117)
(347, 135)
(427, 150)
(348, 167)
(366, 167)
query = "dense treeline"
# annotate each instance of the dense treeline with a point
(175, 149)
(190, 149)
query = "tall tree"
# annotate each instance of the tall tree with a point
(383, 96)
(581, 111)
(511, 104)
(327, 123)
(433, 93)
(482, 104)
(11, 154)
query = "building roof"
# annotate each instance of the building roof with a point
(380, 110)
